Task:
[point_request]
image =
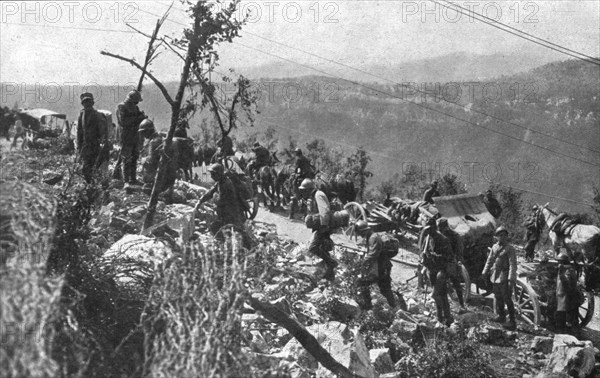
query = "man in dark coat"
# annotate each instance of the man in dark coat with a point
(532, 234)
(437, 252)
(129, 117)
(90, 133)
(568, 298)
(454, 266)
(261, 159)
(377, 264)
(229, 210)
(321, 244)
(492, 205)
(431, 192)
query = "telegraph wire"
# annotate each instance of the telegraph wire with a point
(416, 89)
(72, 27)
(422, 106)
(495, 23)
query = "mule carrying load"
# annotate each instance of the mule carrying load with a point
(45, 123)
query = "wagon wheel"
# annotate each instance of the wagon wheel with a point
(586, 309)
(357, 213)
(527, 305)
(252, 209)
(465, 283)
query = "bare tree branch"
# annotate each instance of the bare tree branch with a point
(152, 77)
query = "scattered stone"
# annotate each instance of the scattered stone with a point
(542, 344)
(52, 178)
(345, 345)
(258, 342)
(381, 360)
(571, 356)
(407, 331)
(344, 309)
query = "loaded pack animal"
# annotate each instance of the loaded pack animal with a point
(264, 178)
(581, 242)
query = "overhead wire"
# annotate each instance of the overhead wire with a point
(561, 140)
(520, 33)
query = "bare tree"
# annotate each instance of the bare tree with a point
(197, 49)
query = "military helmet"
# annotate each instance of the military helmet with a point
(134, 96)
(216, 168)
(500, 230)
(563, 258)
(298, 151)
(434, 183)
(442, 222)
(534, 207)
(307, 184)
(256, 144)
(146, 125)
(361, 226)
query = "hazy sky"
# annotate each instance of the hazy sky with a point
(60, 41)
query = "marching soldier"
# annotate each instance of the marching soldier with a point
(321, 244)
(262, 158)
(150, 166)
(532, 234)
(377, 265)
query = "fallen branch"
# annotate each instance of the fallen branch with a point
(308, 341)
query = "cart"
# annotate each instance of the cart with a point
(535, 293)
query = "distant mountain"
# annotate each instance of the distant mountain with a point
(453, 67)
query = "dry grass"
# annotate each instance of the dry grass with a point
(192, 319)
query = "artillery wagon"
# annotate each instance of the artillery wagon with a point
(534, 295)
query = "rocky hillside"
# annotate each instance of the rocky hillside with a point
(84, 294)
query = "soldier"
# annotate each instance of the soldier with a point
(303, 168)
(19, 133)
(129, 117)
(568, 298)
(437, 253)
(455, 260)
(224, 149)
(492, 204)
(532, 234)
(150, 166)
(262, 158)
(431, 192)
(321, 244)
(90, 133)
(501, 267)
(377, 265)
(229, 210)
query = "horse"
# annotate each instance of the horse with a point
(282, 190)
(203, 154)
(581, 241)
(184, 155)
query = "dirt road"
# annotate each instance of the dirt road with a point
(297, 231)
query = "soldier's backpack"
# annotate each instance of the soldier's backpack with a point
(242, 187)
(391, 245)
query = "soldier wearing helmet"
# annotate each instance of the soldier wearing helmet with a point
(229, 210)
(321, 244)
(431, 192)
(90, 133)
(455, 260)
(568, 296)
(501, 269)
(129, 117)
(150, 166)
(377, 265)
